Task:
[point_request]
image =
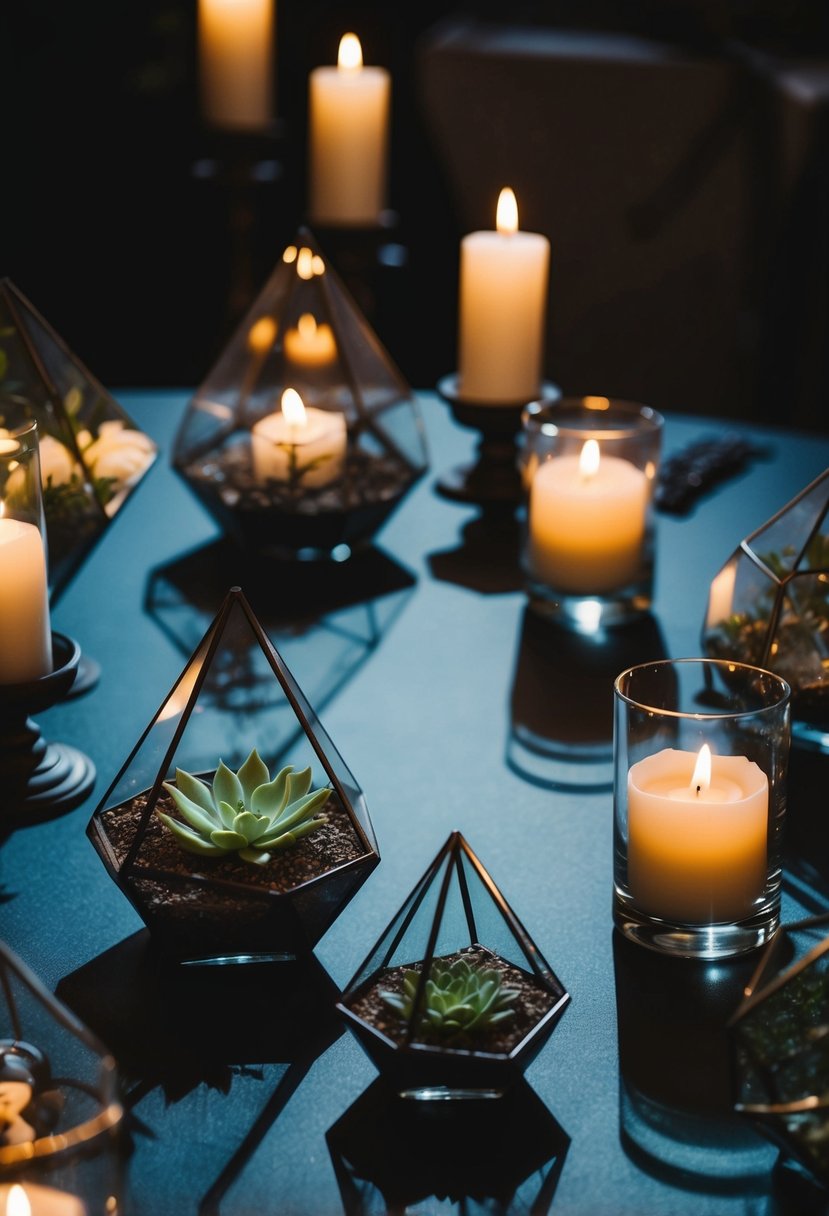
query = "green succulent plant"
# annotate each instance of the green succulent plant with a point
(244, 813)
(460, 998)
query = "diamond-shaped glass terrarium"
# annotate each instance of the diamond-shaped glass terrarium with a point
(769, 607)
(455, 998)
(304, 436)
(253, 859)
(60, 1111)
(92, 456)
(781, 1046)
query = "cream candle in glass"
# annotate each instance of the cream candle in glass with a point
(301, 446)
(348, 136)
(697, 835)
(25, 632)
(503, 308)
(587, 521)
(236, 49)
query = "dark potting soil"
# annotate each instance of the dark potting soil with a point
(367, 478)
(530, 1006)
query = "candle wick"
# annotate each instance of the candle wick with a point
(699, 787)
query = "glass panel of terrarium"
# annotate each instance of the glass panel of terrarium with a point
(492, 927)
(741, 605)
(799, 650)
(786, 540)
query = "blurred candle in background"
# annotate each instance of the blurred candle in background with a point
(236, 51)
(348, 127)
(503, 309)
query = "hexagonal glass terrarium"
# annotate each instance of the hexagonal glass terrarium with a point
(781, 1047)
(769, 607)
(60, 1111)
(304, 436)
(92, 456)
(236, 838)
(455, 999)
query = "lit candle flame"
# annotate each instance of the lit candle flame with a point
(589, 459)
(17, 1203)
(307, 326)
(262, 335)
(701, 780)
(506, 214)
(350, 54)
(305, 263)
(293, 408)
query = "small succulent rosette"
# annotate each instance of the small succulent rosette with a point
(438, 1010)
(228, 852)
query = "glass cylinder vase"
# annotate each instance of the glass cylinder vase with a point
(589, 465)
(700, 755)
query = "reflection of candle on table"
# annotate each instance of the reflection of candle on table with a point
(503, 305)
(310, 344)
(305, 447)
(697, 828)
(235, 61)
(348, 122)
(25, 637)
(587, 521)
(34, 1200)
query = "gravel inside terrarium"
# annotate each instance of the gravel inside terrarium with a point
(530, 1006)
(331, 845)
(367, 478)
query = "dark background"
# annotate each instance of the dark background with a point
(117, 209)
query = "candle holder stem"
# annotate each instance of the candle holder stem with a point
(40, 780)
(492, 479)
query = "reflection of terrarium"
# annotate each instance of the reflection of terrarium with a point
(59, 1105)
(304, 436)
(781, 1045)
(455, 997)
(230, 849)
(91, 455)
(769, 606)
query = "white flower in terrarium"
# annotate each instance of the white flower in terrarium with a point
(117, 454)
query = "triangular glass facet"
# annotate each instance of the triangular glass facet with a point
(455, 917)
(332, 476)
(769, 606)
(91, 453)
(234, 696)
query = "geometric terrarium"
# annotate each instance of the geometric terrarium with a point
(455, 999)
(91, 454)
(780, 1046)
(304, 436)
(235, 838)
(769, 607)
(60, 1109)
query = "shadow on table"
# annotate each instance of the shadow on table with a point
(676, 1117)
(185, 1040)
(806, 840)
(561, 703)
(392, 1154)
(325, 619)
(488, 557)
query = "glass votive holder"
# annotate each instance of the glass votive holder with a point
(589, 466)
(700, 754)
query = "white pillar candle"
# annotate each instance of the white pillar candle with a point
(348, 132)
(587, 517)
(305, 447)
(30, 1199)
(308, 344)
(25, 635)
(697, 840)
(236, 62)
(503, 308)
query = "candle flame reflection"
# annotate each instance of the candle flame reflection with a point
(307, 326)
(506, 214)
(701, 779)
(293, 408)
(589, 459)
(17, 1203)
(350, 54)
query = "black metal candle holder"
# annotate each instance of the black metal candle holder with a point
(493, 478)
(41, 780)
